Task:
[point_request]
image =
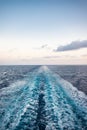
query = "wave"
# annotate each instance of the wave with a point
(42, 101)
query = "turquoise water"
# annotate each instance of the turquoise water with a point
(42, 101)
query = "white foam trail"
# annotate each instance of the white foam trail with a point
(61, 99)
(61, 105)
(15, 100)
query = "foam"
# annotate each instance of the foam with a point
(61, 105)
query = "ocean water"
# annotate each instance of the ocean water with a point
(43, 98)
(75, 74)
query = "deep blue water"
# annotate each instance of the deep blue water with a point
(37, 98)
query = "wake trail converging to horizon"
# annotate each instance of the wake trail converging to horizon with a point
(42, 101)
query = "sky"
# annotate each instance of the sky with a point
(43, 32)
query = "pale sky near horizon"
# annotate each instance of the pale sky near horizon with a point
(31, 31)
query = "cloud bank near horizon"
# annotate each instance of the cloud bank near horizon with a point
(74, 45)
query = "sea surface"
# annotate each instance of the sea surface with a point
(43, 97)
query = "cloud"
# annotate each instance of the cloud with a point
(49, 57)
(85, 55)
(44, 46)
(12, 50)
(60, 56)
(73, 46)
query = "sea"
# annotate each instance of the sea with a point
(43, 97)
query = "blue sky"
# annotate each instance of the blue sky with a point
(27, 25)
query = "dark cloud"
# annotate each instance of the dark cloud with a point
(73, 46)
